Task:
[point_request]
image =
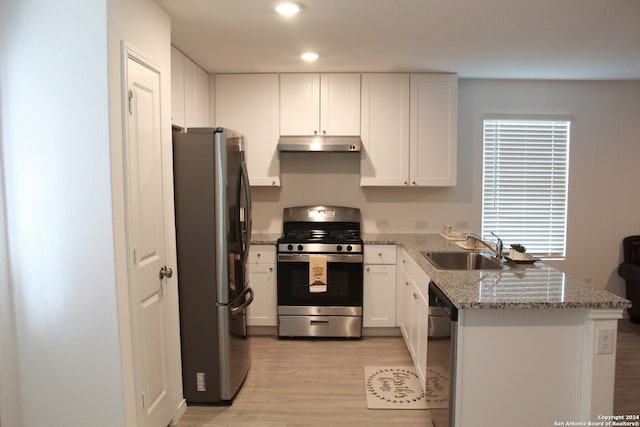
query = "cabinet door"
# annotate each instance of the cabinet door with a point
(177, 87)
(434, 123)
(422, 311)
(196, 95)
(249, 104)
(261, 266)
(413, 301)
(379, 296)
(299, 104)
(385, 130)
(262, 311)
(340, 104)
(405, 307)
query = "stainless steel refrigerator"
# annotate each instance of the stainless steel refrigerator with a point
(213, 229)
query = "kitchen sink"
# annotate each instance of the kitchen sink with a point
(463, 260)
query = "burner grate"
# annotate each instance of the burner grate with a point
(316, 235)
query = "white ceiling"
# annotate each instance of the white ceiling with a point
(523, 39)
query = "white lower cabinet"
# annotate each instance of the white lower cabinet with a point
(262, 279)
(412, 305)
(379, 293)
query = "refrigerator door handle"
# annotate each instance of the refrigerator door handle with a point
(245, 304)
(249, 213)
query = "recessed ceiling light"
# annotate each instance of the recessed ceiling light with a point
(288, 9)
(309, 56)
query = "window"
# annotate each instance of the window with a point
(525, 181)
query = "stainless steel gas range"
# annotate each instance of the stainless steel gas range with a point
(319, 277)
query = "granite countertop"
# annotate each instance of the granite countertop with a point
(264, 238)
(518, 287)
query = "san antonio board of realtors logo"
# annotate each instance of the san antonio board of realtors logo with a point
(395, 385)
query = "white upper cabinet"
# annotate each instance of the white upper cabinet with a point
(177, 87)
(320, 104)
(190, 95)
(249, 104)
(409, 130)
(197, 111)
(434, 125)
(385, 130)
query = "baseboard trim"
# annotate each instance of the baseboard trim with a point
(182, 408)
(272, 331)
(381, 332)
(262, 331)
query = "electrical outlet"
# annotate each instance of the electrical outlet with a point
(604, 341)
(382, 223)
(421, 224)
(201, 384)
(462, 225)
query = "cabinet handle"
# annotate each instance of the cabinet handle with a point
(406, 182)
(414, 183)
(315, 132)
(270, 268)
(259, 254)
(406, 283)
(379, 254)
(368, 269)
(324, 132)
(415, 296)
(273, 182)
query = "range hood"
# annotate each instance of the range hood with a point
(320, 143)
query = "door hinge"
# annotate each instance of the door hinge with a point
(130, 96)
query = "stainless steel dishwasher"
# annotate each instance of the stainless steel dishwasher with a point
(441, 352)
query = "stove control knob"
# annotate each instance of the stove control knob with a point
(339, 247)
(299, 247)
(290, 247)
(349, 248)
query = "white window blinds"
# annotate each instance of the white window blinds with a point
(525, 180)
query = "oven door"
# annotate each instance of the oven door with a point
(344, 281)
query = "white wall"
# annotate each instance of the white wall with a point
(603, 203)
(10, 410)
(64, 318)
(147, 28)
(55, 152)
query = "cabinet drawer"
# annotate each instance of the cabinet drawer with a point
(262, 254)
(379, 254)
(417, 274)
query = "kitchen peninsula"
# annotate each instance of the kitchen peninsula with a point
(527, 335)
(527, 341)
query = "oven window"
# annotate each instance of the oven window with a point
(344, 285)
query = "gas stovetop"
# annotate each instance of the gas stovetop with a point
(321, 229)
(325, 236)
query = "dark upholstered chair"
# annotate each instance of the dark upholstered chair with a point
(630, 271)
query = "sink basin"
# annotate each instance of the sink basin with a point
(463, 260)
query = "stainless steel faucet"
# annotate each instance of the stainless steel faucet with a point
(497, 250)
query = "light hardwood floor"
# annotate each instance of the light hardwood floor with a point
(299, 382)
(626, 398)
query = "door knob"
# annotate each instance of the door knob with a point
(165, 272)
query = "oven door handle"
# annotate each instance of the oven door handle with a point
(349, 258)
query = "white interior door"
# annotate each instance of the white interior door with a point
(145, 230)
